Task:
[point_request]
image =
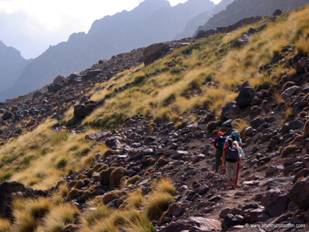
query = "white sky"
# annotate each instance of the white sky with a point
(56, 19)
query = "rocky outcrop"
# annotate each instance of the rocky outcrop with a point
(154, 52)
(300, 193)
(81, 111)
(246, 96)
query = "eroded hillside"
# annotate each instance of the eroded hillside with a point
(135, 152)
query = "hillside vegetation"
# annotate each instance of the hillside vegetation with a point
(203, 75)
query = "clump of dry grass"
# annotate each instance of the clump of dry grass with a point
(156, 204)
(5, 225)
(59, 217)
(165, 185)
(28, 213)
(95, 213)
(135, 199)
(240, 124)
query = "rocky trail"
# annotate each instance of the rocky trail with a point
(273, 184)
(274, 181)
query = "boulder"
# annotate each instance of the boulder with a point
(229, 111)
(306, 129)
(113, 143)
(288, 150)
(104, 176)
(257, 122)
(246, 96)
(211, 126)
(295, 124)
(255, 214)
(83, 110)
(289, 92)
(60, 80)
(206, 224)
(302, 65)
(193, 224)
(275, 202)
(154, 52)
(277, 13)
(110, 196)
(116, 176)
(7, 115)
(300, 193)
(58, 83)
(231, 220)
(74, 78)
(92, 73)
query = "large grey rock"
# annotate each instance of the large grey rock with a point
(83, 110)
(246, 96)
(300, 193)
(154, 52)
(289, 92)
(229, 111)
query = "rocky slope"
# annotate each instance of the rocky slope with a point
(120, 187)
(241, 9)
(11, 66)
(144, 25)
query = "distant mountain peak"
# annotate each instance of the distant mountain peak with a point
(152, 21)
(154, 3)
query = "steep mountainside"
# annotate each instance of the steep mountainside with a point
(11, 66)
(128, 147)
(221, 6)
(111, 35)
(240, 9)
(200, 19)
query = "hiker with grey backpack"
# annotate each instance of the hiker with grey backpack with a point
(231, 158)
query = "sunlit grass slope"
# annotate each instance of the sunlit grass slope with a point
(204, 73)
(41, 157)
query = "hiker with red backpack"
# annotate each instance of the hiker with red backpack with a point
(231, 158)
(219, 145)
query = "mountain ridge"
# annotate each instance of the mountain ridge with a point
(11, 65)
(143, 27)
(240, 9)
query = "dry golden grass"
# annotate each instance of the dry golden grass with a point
(53, 215)
(5, 225)
(41, 157)
(58, 218)
(212, 56)
(156, 204)
(28, 213)
(165, 185)
(95, 213)
(240, 124)
(135, 199)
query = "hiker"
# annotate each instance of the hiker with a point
(231, 161)
(219, 145)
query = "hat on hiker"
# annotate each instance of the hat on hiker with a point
(220, 133)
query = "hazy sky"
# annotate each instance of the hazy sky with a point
(41, 23)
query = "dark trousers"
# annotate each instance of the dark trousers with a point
(219, 153)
